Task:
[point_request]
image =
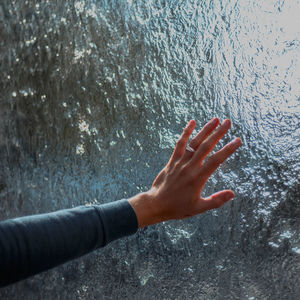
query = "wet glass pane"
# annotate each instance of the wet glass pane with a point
(93, 97)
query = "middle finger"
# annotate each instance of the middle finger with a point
(219, 157)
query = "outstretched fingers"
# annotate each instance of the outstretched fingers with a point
(182, 142)
(210, 142)
(204, 133)
(200, 137)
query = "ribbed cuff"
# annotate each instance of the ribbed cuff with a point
(119, 219)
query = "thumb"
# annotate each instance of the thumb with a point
(219, 199)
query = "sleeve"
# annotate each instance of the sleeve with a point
(32, 244)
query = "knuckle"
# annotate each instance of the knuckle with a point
(175, 157)
(184, 171)
(171, 169)
(217, 203)
(175, 166)
(169, 166)
(205, 147)
(186, 131)
(163, 172)
(216, 160)
(180, 143)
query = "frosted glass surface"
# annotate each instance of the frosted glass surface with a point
(94, 95)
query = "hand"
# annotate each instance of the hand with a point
(176, 191)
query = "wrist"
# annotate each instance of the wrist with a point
(147, 208)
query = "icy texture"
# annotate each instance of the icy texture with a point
(93, 97)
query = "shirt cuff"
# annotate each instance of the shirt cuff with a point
(119, 219)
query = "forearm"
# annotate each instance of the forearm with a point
(29, 245)
(33, 244)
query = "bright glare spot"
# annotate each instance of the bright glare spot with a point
(296, 250)
(79, 6)
(84, 127)
(80, 149)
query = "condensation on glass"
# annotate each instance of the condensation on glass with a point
(94, 95)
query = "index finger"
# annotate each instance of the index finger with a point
(181, 143)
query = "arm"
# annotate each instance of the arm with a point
(33, 244)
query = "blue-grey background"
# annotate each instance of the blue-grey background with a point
(94, 95)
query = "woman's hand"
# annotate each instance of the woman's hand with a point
(176, 191)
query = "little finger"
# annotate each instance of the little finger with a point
(219, 157)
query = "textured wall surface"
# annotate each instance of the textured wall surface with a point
(94, 94)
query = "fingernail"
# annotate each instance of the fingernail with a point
(229, 197)
(237, 141)
(214, 121)
(191, 123)
(226, 122)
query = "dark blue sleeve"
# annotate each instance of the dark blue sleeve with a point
(29, 245)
